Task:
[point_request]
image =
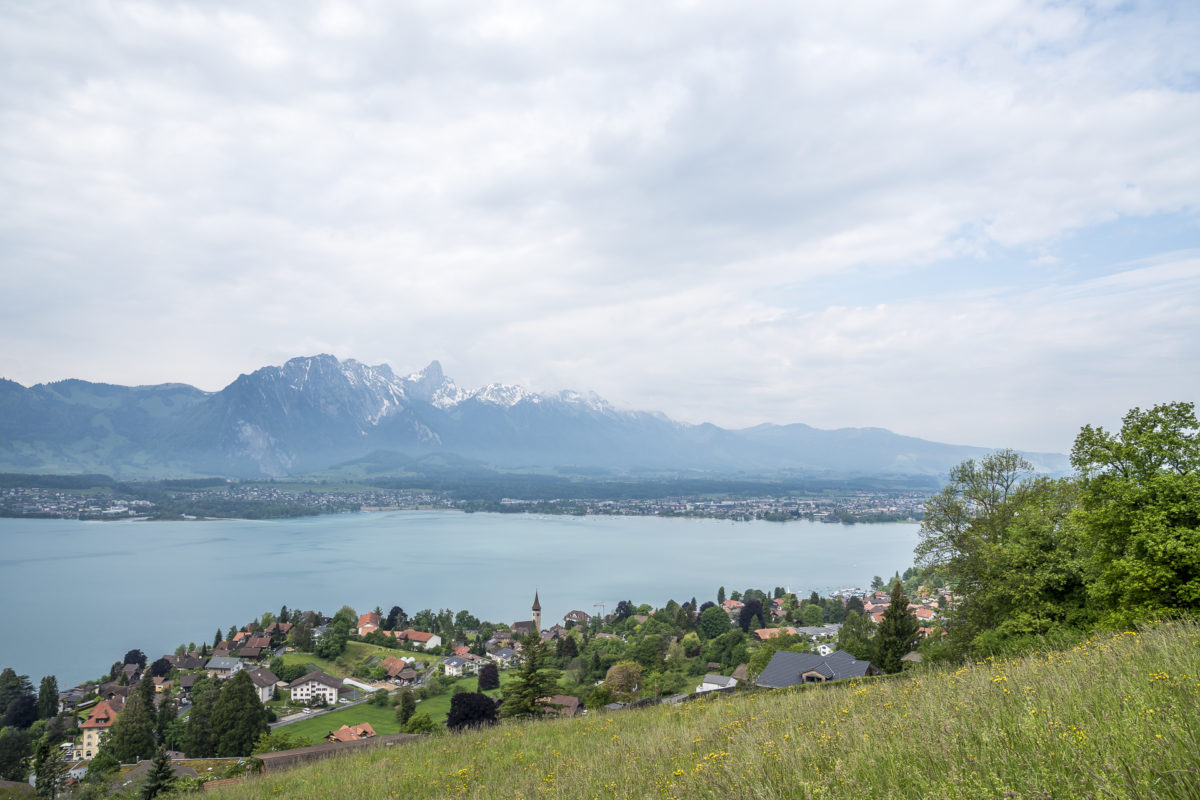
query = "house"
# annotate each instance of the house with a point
(419, 638)
(461, 650)
(185, 662)
(259, 641)
(161, 684)
(503, 656)
(223, 667)
(367, 623)
(101, 718)
(282, 628)
(578, 617)
(393, 666)
(458, 666)
(564, 704)
(524, 628)
(791, 669)
(264, 683)
(315, 684)
(250, 653)
(133, 672)
(348, 733)
(406, 677)
(732, 607)
(186, 682)
(712, 682)
(240, 637)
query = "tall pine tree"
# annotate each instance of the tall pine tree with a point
(160, 777)
(533, 681)
(198, 739)
(131, 737)
(238, 717)
(47, 703)
(897, 632)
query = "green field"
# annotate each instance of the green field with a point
(382, 719)
(355, 652)
(438, 707)
(1115, 717)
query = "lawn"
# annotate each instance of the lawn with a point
(438, 707)
(382, 719)
(355, 652)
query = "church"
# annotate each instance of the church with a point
(529, 626)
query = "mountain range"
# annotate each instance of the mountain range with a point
(316, 412)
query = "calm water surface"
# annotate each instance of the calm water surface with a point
(77, 595)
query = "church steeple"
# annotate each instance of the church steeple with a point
(537, 613)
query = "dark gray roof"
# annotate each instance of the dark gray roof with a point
(719, 680)
(787, 668)
(223, 662)
(319, 677)
(263, 677)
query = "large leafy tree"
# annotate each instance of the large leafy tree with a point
(489, 677)
(16, 746)
(238, 717)
(1141, 503)
(471, 710)
(898, 631)
(713, 622)
(1010, 545)
(534, 680)
(11, 686)
(855, 636)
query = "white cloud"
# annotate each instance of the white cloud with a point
(609, 196)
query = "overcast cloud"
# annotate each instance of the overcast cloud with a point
(971, 222)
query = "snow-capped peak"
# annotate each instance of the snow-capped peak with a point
(504, 395)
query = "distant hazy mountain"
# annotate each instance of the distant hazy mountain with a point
(314, 412)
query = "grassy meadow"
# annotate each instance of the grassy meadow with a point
(1118, 716)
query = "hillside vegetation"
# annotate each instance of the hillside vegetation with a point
(1114, 717)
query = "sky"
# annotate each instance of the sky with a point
(976, 223)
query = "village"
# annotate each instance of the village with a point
(327, 683)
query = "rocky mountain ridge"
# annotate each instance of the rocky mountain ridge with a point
(316, 411)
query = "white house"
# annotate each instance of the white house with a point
(315, 684)
(713, 682)
(264, 683)
(459, 666)
(223, 668)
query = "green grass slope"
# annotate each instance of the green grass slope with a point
(1116, 717)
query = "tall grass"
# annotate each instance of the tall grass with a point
(1114, 717)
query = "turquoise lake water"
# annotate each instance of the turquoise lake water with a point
(77, 595)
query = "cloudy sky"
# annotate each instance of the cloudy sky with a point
(972, 222)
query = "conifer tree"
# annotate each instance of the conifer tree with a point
(897, 632)
(532, 682)
(159, 778)
(238, 717)
(47, 703)
(49, 770)
(406, 704)
(198, 739)
(131, 737)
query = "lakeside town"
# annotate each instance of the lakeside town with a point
(264, 500)
(292, 686)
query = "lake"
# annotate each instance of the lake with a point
(77, 595)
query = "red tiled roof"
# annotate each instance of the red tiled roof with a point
(347, 733)
(102, 716)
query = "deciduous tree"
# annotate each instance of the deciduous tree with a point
(471, 710)
(1141, 502)
(489, 677)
